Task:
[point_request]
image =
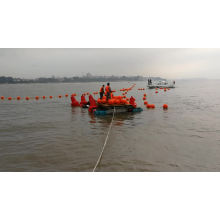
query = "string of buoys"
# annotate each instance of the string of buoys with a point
(27, 98)
(152, 106)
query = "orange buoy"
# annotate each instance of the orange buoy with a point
(60, 96)
(165, 90)
(51, 97)
(18, 98)
(117, 101)
(66, 95)
(37, 97)
(123, 101)
(146, 102)
(27, 98)
(156, 92)
(150, 106)
(9, 98)
(165, 106)
(110, 101)
(44, 97)
(2, 97)
(144, 98)
(145, 94)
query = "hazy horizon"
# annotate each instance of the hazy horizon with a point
(166, 63)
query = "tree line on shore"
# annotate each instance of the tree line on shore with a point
(74, 79)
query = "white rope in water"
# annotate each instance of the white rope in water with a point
(106, 139)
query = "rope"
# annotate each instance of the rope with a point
(106, 139)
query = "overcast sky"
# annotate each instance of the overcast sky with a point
(168, 63)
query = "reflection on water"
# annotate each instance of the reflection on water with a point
(50, 135)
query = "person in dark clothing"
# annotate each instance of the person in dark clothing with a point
(101, 92)
(108, 91)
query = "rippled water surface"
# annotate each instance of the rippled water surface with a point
(50, 135)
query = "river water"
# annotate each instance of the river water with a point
(50, 135)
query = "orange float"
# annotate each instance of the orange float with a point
(110, 101)
(165, 106)
(150, 106)
(51, 97)
(27, 98)
(18, 98)
(124, 101)
(145, 94)
(146, 102)
(156, 92)
(2, 97)
(37, 97)
(44, 97)
(117, 101)
(144, 98)
(60, 96)
(9, 98)
(66, 95)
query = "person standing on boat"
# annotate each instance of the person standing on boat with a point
(108, 91)
(101, 92)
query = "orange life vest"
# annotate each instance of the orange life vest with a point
(107, 89)
(102, 89)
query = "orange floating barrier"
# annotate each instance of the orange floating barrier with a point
(156, 92)
(146, 102)
(27, 98)
(18, 98)
(2, 97)
(144, 98)
(60, 96)
(44, 97)
(9, 98)
(66, 95)
(145, 94)
(37, 97)
(51, 97)
(165, 106)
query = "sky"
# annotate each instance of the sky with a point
(166, 63)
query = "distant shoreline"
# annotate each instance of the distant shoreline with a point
(11, 80)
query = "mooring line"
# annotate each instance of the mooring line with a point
(106, 139)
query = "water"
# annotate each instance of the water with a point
(49, 135)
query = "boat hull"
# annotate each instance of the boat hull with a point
(109, 109)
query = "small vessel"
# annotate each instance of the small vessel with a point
(161, 84)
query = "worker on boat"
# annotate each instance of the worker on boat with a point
(101, 92)
(108, 91)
